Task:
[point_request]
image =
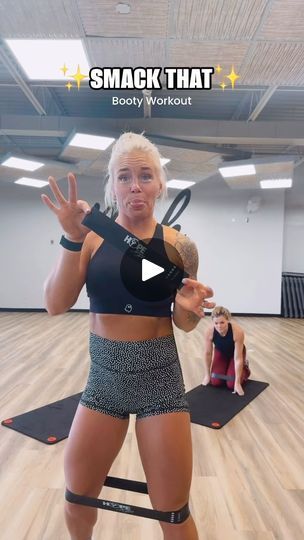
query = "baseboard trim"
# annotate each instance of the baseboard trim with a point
(42, 310)
(38, 310)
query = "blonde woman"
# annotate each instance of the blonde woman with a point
(134, 361)
(225, 352)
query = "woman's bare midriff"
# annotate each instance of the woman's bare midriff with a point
(129, 327)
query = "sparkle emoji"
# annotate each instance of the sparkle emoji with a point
(233, 77)
(78, 76)
(64, 69)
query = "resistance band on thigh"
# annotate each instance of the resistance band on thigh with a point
(222, 376)
(176, 516)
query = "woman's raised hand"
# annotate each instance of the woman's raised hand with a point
(71, 211)
(193, 296)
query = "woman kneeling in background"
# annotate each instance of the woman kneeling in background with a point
(225, 352)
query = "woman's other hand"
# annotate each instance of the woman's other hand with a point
(193, 297)
(71, 211)
(238, 389)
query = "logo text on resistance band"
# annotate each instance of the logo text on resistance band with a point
(131, 241)
(118, 506)
(141, 78)
(138, 249)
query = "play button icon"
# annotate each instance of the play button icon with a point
(150, 270)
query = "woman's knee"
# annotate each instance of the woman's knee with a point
(170, 497)
(80, 516)
(186, 529)
(216, 382)
(171, 504)
(246, 373)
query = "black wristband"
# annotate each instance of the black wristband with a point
(71, 246)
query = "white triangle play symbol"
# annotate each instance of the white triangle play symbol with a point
(150, 270)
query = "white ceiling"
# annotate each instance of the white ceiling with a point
(263, 116)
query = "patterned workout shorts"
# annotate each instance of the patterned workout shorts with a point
(134, 377)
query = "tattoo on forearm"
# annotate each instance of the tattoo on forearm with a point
(188, 252)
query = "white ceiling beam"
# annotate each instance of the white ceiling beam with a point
(8, 63)
(147, 106)
(57, 101)
(192, 131)
(262, 103)
(299, 162)
(241, 104)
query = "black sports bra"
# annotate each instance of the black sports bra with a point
(225, 344)
(106, 290)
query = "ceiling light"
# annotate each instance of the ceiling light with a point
(237, 170)
(276, 183)
(95, 142)
(123, 8)
(43, 58)
(25, 164)
(179, 184)
(33, 182)
(164, 161)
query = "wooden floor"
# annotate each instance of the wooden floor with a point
(248, 479)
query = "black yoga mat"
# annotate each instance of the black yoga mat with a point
(209, 406)
(214, 406)
(49, 424)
